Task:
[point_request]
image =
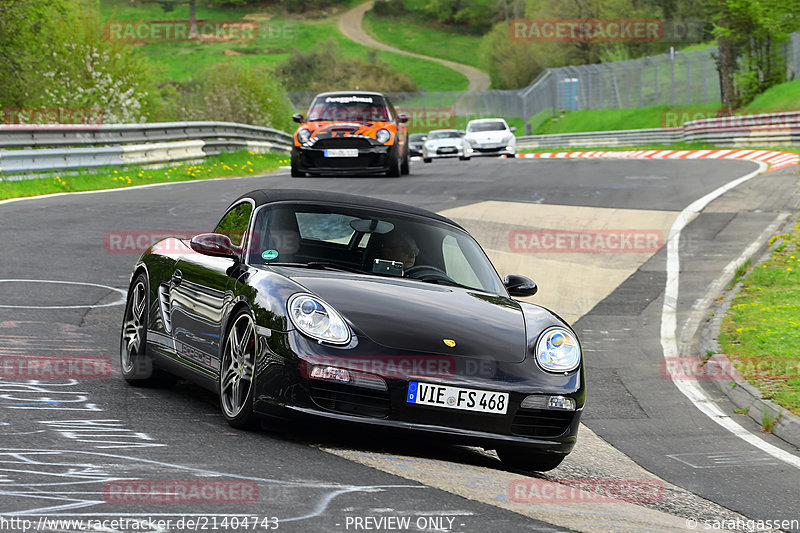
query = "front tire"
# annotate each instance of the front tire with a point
(295, 172)
(237, 366)
(405, 166)
(395, 169)
(426, 159)
(528, 461)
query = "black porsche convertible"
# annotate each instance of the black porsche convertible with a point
(316, 304)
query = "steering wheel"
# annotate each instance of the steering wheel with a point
(425, 272)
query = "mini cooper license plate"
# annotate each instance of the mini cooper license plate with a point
(341, 152)
(483, 401)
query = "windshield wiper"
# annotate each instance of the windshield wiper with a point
(322, 265)
(333, 266)
(442, 281)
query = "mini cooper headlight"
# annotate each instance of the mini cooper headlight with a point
(557, 350)
(303, 135)
(317, 319)
(382, 136)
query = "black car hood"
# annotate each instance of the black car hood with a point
(402, 314)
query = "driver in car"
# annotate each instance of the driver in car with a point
(401, 247)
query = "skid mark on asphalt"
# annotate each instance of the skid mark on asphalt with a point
(37, 482)
(517, 238)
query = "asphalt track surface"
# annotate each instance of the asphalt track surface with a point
(62, 442)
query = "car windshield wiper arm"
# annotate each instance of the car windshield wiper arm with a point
(442, 281)
(322, 265)
(333, 266)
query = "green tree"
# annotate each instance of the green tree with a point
(57, 57)
(170, 5)
(514, 64)
(750, 34)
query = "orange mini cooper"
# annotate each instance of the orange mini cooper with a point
(350, 133)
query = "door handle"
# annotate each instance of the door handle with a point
(177, 277)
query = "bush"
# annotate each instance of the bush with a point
(324, 68)
(237, 92)
(66, 63)
(514, 64)
(388, 8)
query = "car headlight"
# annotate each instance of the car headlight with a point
(303, 135)
(558, 350)
(472, 142)
(317, 319)
(382, 136)
(508, 139)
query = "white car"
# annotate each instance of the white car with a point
(490, 136)
(444, 143)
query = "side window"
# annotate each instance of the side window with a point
(456, 264)
(234, 223)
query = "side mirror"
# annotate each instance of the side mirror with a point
(519, 285)
(513, 129)
(402, 118)
(298, 117)
(462, 132)
(214, 244)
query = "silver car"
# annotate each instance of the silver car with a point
(444, 143)
(490, 136)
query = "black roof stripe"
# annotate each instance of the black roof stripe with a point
(266, 196)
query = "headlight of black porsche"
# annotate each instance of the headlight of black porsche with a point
(558, 350)
(317, 319)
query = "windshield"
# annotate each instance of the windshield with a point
(372, 243)
(487, 126)
(444, 135)
(416, 137)
(349, 108)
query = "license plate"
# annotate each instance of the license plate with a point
(341, 152)
(448, 150)
(482, 401)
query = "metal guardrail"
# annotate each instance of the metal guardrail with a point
(746, 130)
(42, 148)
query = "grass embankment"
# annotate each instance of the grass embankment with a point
(761, 332)
(783, 97)
(243, 163)
(277, 38)
(414, 33)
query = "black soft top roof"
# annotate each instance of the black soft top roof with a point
(351, 93)
(267, 196)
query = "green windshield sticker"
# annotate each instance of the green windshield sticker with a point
(270, 254)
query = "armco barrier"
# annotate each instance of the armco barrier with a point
(746, 130)
(40, 148)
